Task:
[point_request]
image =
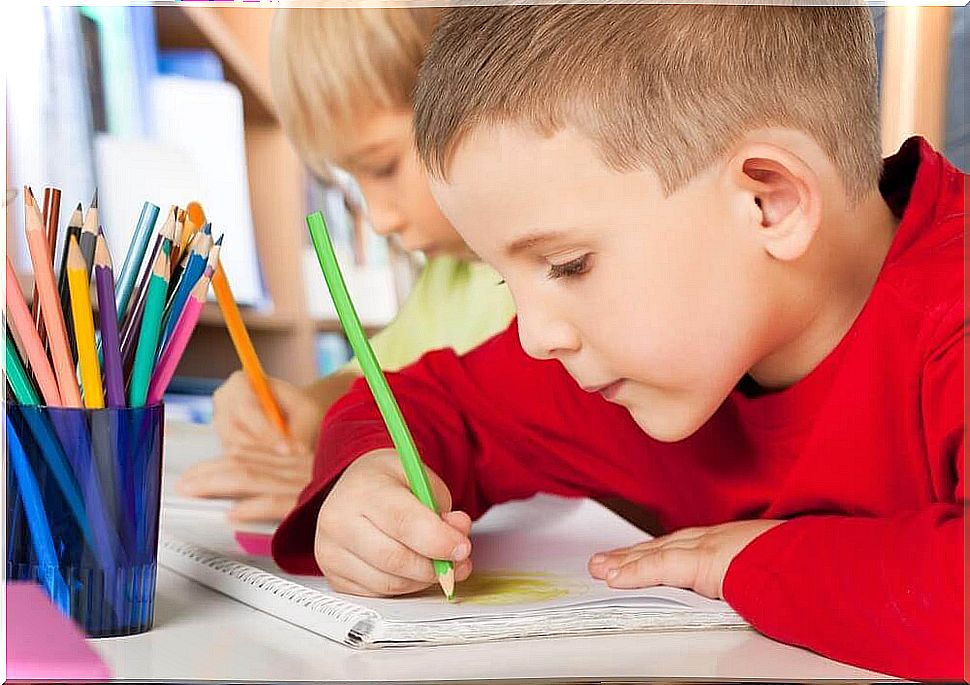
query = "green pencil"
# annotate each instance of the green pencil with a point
(23, 388)
(400, 435)
(151, 324)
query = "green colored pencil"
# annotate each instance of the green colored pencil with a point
(23, 388)
(396, 426)
(141, 370)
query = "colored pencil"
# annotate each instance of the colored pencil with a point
(89, 234)
(396, 426)
(245, 350)
(17, 376)
(176, 253)
(212, 261)
(51, 306)
(148, 336)
(34, 346)
(136, 255)
(180, 261)
(194, 267)
(164, 236)
(40, 530)
(51, 217)
(77, 277)
(194, 220)
(136, 310)
(73, 228)
(51, 449)
(179, 340)
(114, 382)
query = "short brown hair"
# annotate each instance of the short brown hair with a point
(331, 66)
(667, 86)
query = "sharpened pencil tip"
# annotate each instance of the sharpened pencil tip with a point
(447, 582)
(94, 200)
(219, 239)
(28, 196)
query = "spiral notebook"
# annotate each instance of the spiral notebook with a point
(530, 580)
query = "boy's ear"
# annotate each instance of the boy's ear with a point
(784, 195)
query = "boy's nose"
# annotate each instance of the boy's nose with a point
(546, 337)
(387, 220)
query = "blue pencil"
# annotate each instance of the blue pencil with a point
(134, 258)
(40, 532)
(194, 267)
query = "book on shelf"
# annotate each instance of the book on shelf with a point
(530, 580)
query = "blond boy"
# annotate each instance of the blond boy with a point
(343, 81)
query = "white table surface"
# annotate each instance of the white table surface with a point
(201, 635)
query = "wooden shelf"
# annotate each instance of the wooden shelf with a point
(333, 326)
(201, 27)
(255, 321)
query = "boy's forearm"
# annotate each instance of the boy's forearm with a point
(880, 593)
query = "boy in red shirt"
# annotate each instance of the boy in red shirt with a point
(729, 312)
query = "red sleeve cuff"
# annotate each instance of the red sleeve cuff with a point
(340, 444)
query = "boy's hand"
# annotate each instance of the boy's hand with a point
(692, 558)
(242, 425)
(374, 538)
(263, 491)
(259, 467)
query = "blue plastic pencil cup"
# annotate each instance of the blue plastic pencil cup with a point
(83, 493)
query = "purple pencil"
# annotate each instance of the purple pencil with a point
(114, 381)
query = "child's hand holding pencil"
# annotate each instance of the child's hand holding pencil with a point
(374, 538)
(261, 469)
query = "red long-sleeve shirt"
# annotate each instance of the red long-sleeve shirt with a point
(864, 457)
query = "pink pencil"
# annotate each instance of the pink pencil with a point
(50, 305)
(24, 323)
(178, 341)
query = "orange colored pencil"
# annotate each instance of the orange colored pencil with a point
(50, 305)
(190, 227)
(33, 346)
(244, 348)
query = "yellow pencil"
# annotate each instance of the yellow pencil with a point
(87, 351)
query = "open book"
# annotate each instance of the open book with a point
(530, 580)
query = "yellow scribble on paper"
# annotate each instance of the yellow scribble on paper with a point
(511, 587)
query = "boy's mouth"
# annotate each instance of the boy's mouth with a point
(607, 390)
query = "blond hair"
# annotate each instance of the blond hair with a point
(671, 87)
(331, 66)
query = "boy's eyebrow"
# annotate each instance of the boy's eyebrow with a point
(532, 240)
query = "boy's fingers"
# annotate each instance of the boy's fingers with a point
(458, 520)
(223, 478)
(676, 567)
(386, 554)
(404, 518)
(266, 457)
(463, 569)
(347, 565)
(348, 587)
(263, 508)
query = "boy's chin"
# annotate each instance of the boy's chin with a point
(667, 424)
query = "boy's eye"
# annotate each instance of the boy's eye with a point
(570, 269)
(384, 171)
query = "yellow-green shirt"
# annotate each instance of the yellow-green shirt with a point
(454, 303)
